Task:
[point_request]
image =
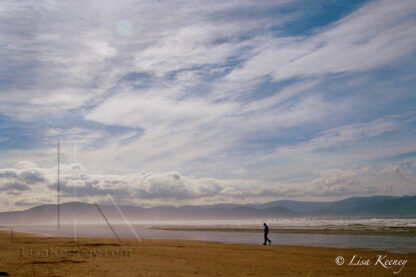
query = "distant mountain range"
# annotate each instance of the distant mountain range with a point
(375, 206)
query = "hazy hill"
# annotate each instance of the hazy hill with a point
(351, 207)
(342, 206)
(404, 206)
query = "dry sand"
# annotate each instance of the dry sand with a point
(30, 255)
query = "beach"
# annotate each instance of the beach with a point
(26, 254)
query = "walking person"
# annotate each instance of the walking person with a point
(266, 232)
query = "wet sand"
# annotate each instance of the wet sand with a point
(385, 231)
(31, 255)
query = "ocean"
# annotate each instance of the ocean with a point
(398, 244)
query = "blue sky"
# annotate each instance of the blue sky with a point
(191, 102)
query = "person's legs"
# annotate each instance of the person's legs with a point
(266, 239)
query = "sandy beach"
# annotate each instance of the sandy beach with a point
(31, 255)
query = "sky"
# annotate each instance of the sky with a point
(204, 102)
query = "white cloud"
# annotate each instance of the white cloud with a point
(364, 181)
(342, 135)
(65, 56)
(15, 181)
(391, 169)
(173, 188)
(375, 35)
(25, 165)
(133, 188)
(186, 48)
(336, 182)
(152, 108)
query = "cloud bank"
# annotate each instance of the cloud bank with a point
(31, 185)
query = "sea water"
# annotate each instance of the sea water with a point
(405, 244)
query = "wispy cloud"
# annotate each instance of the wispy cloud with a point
(217, 92)
(375, 35)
